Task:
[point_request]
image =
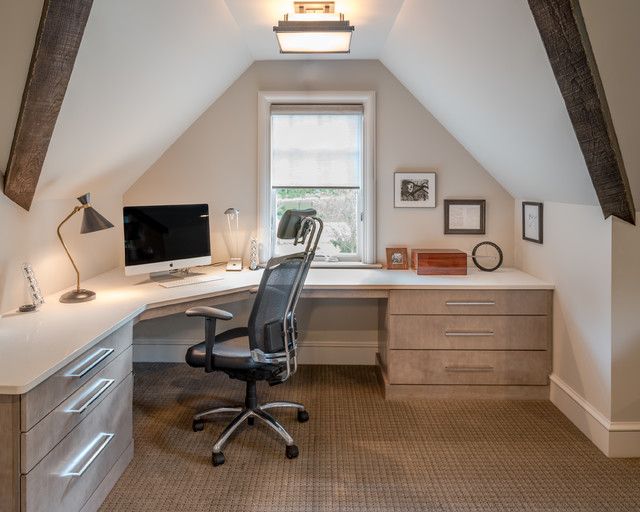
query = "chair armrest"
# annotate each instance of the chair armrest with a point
(208, 312)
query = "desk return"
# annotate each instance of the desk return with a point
(466, 343)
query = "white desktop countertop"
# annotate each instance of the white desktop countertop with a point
(33, 346)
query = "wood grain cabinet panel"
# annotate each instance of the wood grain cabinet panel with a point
(45, 397)
(469, 302)
(65, 479)
(468, 367)
(477, 332)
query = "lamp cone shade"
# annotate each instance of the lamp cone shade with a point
(91, 219)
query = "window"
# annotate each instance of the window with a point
(316, 156)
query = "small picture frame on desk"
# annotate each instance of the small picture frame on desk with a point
(532, 221)
(465, 216)
(397, 258)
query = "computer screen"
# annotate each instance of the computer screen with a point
(166, 237)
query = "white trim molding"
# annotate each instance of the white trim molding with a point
(368, 101)
(613, 438)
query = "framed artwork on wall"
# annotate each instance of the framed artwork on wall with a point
(415, 189)
(465, 216)
(532, 221)
(397, 258)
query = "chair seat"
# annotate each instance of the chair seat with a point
(232, 354)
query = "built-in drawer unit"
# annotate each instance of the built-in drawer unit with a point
(45, 397)
(460, 342)
(461, 332)
(65, 479)
(494, 367)
(469, 302)
(46, 434)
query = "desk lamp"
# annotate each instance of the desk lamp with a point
(232, 215)
(91, 221)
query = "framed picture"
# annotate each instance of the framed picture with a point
(415, 189)
(464, 216)
(532, 221)
(397, 258)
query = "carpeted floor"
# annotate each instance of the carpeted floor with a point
(360, 453)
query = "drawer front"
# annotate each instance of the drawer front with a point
(65, 479)
(45, 397)
(468, 367)
(46, 434)
(470, 302)
(475, 332)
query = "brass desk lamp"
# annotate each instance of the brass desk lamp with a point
(91, 221)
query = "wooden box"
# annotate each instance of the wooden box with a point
(432, 262)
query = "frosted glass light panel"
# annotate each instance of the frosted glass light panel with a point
(317, 162)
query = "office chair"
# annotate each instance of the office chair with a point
(265, 349)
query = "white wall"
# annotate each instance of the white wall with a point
(31, 237)
(215, 161)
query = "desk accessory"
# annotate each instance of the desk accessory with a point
(34, 289)
(435, 262)
(464, 216)
(91, 221)
(397, 258)
(415, 189)
(233, 214)
(253, 253)
(487, 256)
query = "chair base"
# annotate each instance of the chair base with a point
(248, 413)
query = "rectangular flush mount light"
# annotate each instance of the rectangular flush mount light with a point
(314, 28)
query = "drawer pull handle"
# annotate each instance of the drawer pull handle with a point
(470, 303)
(90, 453)
(101, 386)
(90, 362)
(469, 368)
(469, 333)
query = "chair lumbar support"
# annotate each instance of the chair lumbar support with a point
(248, 413)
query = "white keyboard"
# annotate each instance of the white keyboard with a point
(191, 280)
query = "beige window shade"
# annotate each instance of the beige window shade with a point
(316, 145)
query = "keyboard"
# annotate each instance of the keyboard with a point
(191, 280)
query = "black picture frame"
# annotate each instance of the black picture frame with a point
(480, 230)
(540, 221)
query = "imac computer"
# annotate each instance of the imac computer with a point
(165, 238)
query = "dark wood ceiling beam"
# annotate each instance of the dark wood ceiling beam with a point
(59, 35)
(565, 38)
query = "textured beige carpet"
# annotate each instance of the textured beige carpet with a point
(359, 453)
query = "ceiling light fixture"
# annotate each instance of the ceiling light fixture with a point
(314, 27)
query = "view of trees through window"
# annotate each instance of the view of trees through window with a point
(337, 207)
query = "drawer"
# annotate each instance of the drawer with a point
(470, 302)
(65, 479)
(46, 434)
(45, 397)
(468, 367)
(472, 332)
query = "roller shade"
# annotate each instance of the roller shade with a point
(316, 145)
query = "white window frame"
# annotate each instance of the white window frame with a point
(368, 214)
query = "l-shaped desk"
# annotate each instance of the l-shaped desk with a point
(66, 370)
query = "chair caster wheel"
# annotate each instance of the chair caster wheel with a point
(303, 416)
(217, 459)
(251, 421)
(292, 451)
(197, 425)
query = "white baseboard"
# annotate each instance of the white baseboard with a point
(148, 350)
(614, 439)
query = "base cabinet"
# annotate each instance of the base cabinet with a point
(466, 343)
(65, 438)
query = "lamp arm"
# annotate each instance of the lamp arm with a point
(75, 210)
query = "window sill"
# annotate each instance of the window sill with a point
(344, 264)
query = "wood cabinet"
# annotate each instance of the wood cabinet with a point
(65, 442)
(466, 343)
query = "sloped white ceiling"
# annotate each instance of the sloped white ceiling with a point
(146, 69)
(373, 20)
(481, 69)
